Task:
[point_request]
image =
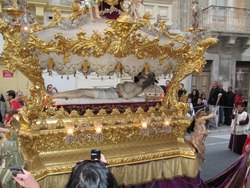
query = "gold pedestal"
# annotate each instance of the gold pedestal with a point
(133, 165)
(53, 151)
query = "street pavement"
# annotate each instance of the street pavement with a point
(218, 156)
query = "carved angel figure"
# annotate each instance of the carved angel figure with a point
(200, 132)
(132, 7)
(76, 10)
(90, 4)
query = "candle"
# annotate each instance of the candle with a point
(98, 128)
(70, 131)
(167, 121)
(144, 124)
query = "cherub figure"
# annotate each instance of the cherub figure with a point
(200, 133)
(131, 7)
(90, 4)
(77, 11)
(134, 8)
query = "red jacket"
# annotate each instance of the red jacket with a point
(245, 144)
(14, 105)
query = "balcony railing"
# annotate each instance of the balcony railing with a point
(226, 19)
(60, 2)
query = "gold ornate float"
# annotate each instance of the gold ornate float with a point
(47, 146)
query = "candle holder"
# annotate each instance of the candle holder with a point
(166, 128)
(98, 136)
(144, 130)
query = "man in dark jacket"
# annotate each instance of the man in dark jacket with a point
(230, 95)
(222, 103)
(212, 100)
(182, 91)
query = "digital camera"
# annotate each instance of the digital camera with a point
(95, 155)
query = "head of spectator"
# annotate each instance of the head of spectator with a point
(199, 101)
(230, 89)
(240, 107)
(195, 92)
(214, 84)
(51, 89)
(2, 99)
(11, 94)
(19, 96)
(181, 86)
(167, 85)
(203, 96)
(221, 85)
(90, 174)
(189, 100)
(167, 82)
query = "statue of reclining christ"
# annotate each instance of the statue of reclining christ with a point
(126, 90)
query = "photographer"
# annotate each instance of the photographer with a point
(86, 174)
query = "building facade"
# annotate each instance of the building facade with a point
(229, 61)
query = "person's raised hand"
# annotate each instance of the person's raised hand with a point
(103, 159)
(26, 180)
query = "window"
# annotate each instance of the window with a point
(217, 2)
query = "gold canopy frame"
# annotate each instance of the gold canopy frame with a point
(43, 131)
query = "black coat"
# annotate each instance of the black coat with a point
(223, 99)
(213, 96)
(230, 98)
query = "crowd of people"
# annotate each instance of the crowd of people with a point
(15, 102)
(222, 102)
(228, 108)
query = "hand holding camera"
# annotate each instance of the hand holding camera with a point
(24, 178)
(96, 155)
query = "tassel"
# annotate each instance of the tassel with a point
(118, 68)
(51, 65)
(85, 66)
(146, 68)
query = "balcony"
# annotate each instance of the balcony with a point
(226, 20)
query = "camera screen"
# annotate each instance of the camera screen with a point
(95, 155)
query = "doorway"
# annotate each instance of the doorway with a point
(242, 78)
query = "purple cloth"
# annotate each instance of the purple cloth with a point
(178, 182)
(234, 176)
